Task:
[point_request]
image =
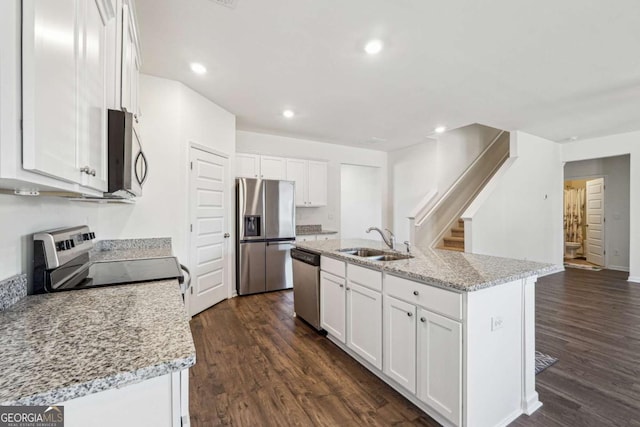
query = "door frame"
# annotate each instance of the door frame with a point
(229, 274)
(604, 205)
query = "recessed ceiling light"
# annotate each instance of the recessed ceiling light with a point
(373, 47)
(198, 68)
(573, 138)
(440, 129)
(288, 114)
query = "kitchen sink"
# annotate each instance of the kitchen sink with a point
(389, 257)
(375, 254)
(362, 252)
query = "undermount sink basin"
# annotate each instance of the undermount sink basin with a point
(362, 252)
(375, 254)
(389, 257)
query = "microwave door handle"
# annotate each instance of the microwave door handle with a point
(135, 168)
(146, 167)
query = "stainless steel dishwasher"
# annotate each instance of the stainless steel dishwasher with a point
(306, 286)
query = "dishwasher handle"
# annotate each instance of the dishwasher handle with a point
(305, 257)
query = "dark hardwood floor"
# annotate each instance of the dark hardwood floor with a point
(257, 365)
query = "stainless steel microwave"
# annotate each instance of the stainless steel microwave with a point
(128, 165)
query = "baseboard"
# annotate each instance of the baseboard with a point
(554, 270)
(634, 279)
(618, 268)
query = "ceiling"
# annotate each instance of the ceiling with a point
(555, 69)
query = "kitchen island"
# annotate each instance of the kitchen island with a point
(452, 332)
(116, 356)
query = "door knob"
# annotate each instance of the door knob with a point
(227, 235)
(422, 319)
(409, 314)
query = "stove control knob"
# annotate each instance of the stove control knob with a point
(72, 243)
(67, 244)
(86, 236)
(92, 235)
(60, 246)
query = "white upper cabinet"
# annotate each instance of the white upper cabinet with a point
(310, 176)
(93, 97)
(273, 167)
(317, 182)
(130, 59)
(297, 172)
(50, 57)
(247, 165)
(64, 89)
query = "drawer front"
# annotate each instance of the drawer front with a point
(306, 238)
(365, 277)
(432, 298)
(332, 266)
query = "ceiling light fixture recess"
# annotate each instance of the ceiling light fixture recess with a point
(198, 68)
(440, 129)
(288, 114)
(373, 47)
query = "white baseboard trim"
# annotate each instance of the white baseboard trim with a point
(618, 268)
(554, 270)
(634, 279)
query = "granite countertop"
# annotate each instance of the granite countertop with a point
(313, 233)
(447, 269)
(60, 346)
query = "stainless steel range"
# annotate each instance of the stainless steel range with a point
(62, 263)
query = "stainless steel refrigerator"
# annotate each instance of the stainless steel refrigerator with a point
(266, 230)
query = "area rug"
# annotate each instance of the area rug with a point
(582, 266)
(543, 361)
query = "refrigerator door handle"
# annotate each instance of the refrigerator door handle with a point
(280, 243)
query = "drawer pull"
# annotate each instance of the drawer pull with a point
(348, 288)
(422, 319)
(409, 314)
(342, 286)
(416, 293)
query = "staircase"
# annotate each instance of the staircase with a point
(455, 242)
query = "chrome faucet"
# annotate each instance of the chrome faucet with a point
(389, 240)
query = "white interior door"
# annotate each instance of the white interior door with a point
(595, 221)
(209, 237)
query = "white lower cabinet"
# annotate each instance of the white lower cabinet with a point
(400, 342)
(364, 323)
(440, 364)
(333, 305)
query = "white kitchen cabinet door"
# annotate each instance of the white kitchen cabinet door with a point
(130, 63)
(273, 167)
(333, 305)
(50, 50)
(93, 95)
(364, 323)
(440, 364)
(297, 172)
(400, 342)
(247, 165)
(317, 183)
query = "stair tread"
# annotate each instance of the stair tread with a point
(454, 239)
(457, 229)
(451, 248)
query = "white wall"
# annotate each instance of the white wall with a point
(412, 174)
(519, 214)
(609, 146)
(360, 201)
(328, 216)
(616, 203)
(432, 165)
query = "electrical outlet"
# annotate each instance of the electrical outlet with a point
(496, 323)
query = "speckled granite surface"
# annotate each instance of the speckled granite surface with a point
(312, 229)
(448, 269)
(65, 345)
(122, 244)
(12, 290)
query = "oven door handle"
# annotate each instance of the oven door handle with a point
(187, 284)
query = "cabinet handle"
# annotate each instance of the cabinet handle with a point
(415, 293)
(422, 319)
(93, 172)
(342, 286)
(409, 314)
(348, 288)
